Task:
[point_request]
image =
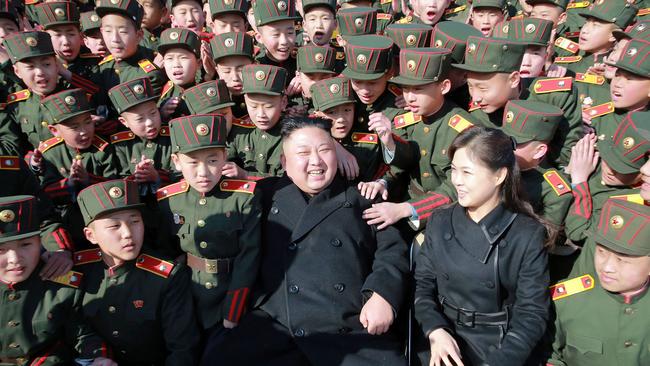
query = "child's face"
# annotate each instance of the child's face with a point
(613, 178)
(484, 19)
(427, 99)
(229, 70)
(430, 11)
(120, 36)
(226, 112)
(265, 110)
(630, 91)
(154, 11)
(369, 91)
(77, 132)
(19, 258)
(533, 62)
(547, 12)
(308, 79)
(596, 36)
(40, 74)
(614, 56)
(229, 22)
(119, 235)
(188, 14)
(491, 90)
(95, 43)
(528, 153)
(181, 66)
(620, 273)
(319, 23)
(202, 168)
(645, 179)
(143, 120)
(66, 40)
(7, 27)
(279, 39)
(342, 117)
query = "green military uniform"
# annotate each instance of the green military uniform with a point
(252, 149)
(209, 97)
(546, 188)
(9, 82)
(409, 36)
(356, 21)
(89, 21)
(44, 325)
(219, 230)
(458, 11)
(620, 337)
(624, 153)
(313, 60)
(142, 307)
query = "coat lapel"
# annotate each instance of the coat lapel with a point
(320, 207)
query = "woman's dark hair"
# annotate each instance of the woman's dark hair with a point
(292, 124)
(495, 150)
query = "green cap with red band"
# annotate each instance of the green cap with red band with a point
(624, 227)
(197, 132)
(107, 197)
(207, 97)
(368, 57)
(357, 21)
(18, 218)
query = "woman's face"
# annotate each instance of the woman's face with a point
(476, 184)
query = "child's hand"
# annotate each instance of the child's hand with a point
(597, 69)
(56, 264)
(555, 71)
(228, 324)
(209, 65)
(348, 165)
(376, 315)
(400, 102)
(78, 173)
(381, 125)
(294, 86)
(232, 170)
(168, 108)
(385, 214)
(36, 160)
(296, 111)
(370, 190)
(62, 70)
(145, 171)
(584, 159)
(158, 61)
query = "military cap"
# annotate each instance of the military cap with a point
(310, 4)
(207, 97)
(23, 45)
(561, 3)
(420, 66)
(90, 21)
(231, 44)
(9, 10)
(269, 11)
(357, 21)
(527, 120)
(634, 58)
(179, 38)
(172, 3)
(239, 7)
(619, 12)
(626, 151)
(478, 4)
(492, 55)
(453, 35)
(127, 8)
(263, 79)
(51, 14)
(368, 57)
(533, 31)
(640, 30)
(332, 92)
(197, 132)
(18, 219)
(67, 104)
(316, 59)
(107, 197)
(624, 227)
(409, 35)
(131, 93)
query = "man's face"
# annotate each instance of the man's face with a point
(596, 36)
(66, 40)
(308, 79)
(427, 99)
(369, 91)
(342, 117)
(629, 91)
(7, 27)
(188, 14)
(319, 23)
(40, 74)
(154, 11)
(309, 158)
(118, 234)
(120, 36)
(224, 23)
(77, 132)
(620, 273)
(532, 65)
(490, 90)
(279, 39)
(430, 11)
(143, 120)
(229, 70)
(484, 19)
(19, 258)
(265, 110)
(202, 168)
(181, 66)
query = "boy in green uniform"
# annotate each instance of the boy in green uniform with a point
(187, 14)
(426, 11)
(8, 24)
(138, 302)
(485, 15)
(228, 16)
(92, 36)
(43, 317)
(319, 21)
(315, 63)
(214, 222)
(212, 97)
(154, 12)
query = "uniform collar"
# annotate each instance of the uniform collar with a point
(118, 270)
(630, 298)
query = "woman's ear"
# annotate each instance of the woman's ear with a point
(501, 176)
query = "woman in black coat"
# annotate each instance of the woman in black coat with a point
(481, 275)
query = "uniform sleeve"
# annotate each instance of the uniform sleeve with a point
(559, 342)
(426, 203)
(556, 207)
(11, 136)
(580, 213)
(247, 262)
(405, 155)
(86, 342)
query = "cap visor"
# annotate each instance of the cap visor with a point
(111, 210)
(474, 68)
(609, 244)
(607, 153)
(259, 91)
(401, 80)
(5, 239)
(154, 98)
(189, 149)
(351, 74)
(333, 104)
(67, 118)
(627, 68)
(212, 108)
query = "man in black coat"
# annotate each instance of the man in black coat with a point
(329, 285)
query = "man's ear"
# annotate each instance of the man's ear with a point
(258, 36)
(283, 161)
(53, 130)
(16, 71)
(139, 35)
(562, 18)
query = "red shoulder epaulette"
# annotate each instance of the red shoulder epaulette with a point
(572, 34)
(49, 143)
(9, 162)
(406, 119)
(567, 45)
(237, 185)
(154, 265)
(635, 198)
(243, 122)
(572, 287)
(395, 89)
(643, 12)
(106, 59)
(558, 184)
(578, 4)
(455, 10)
(87, 256)
(164, 131)
(122, 136)
(384, 16)
(473, 106)
(100, 143)
(368, 138)
(567, 60)
(600, 110)
(172, 190)
(590, 78)
(72, 279)
(166, 89)
(18, 96)
(146, 65)
(458, 123)
(553, 85)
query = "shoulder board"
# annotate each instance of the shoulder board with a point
(100, 143)
(87, 256)
(384, 16)
(3, 106)
(385, 1)
(237, 185)
(572, 287)
(558, 184)
(567, 45)
(407, 19)
(172, 190)
(473, 106)
(89, 55)
(49, 143)
(243, 122)
(18, 96)
(600, 110)
(634, 198)
(458, 123)
(567, 60)
(553, 85)
(578, 4)
(590, 78)
(122, 136)
(164, 131)
(455, 10)
(518, 16)
(72, 279)
(106, 59)
(643, 12)
(146, 65)
(396, 90)
(367, 138)
(572, 34)
(9, 163)
(406, 119)
(166, 89)
(340, 55)
(31, 2)
(154, 265)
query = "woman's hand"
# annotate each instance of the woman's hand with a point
(443, 349)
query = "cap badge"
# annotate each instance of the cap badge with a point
(471, 48)
(31, 41)
(211, 92)
(70, 100)
(7, 216)
(628, 142)
(632, 51)
(530, 28)
(506, 28)
(410, 40)
(94, 18)
(260, 75)
(438, 43)
(319, 57)
(115, 2)
(59, 12)
(510, 116)
(227, 2)
(173, 36)
(358, 22)
(228, 42)
(334, 88)
(362, 59)
(410, 65)
(282, 6)
(202, 129)
(115, 192)
(616, 222)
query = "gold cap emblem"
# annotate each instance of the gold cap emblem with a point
(505, 28)
(358, 22)
(260, 75)
(319, 57)
(70, 100)
(471, 48)
(202, 129)
(530, 28)
(227, 2)
(628, 142)
(616, 222)
(362, 59)
(59, 12)
(115, 2)
(7, 216)
(138, 89)
(173, 36)
(411, 39)
(31, 41)
(334, 88)
(94, 18)
(632, 51)
(410, 65)
(438, 43)
(228, 42)
(211, 92)
(115, 192)
(282, 6)
(510, 116)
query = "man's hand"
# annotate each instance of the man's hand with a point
(400, 102)
(555, 71)
(36, 160)
(584, 159)
(597, 69)
(385, 214)
(348, 165)
(232, 170)
(381, 125)
(56, 264)
(228, 324)
(370, 190)
(376, 315)
(62, 70)
(145, 171)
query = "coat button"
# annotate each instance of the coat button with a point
(293, 246)
(426, 129)
(344, 330)
(339, 287)
(493, 231)
(628, 344)
(111, 309)
(116, 334)
(299, 332)
(274, 210)
(203, 245)
(423, 152)
(335, 242)
(202, 201)
(447, 236)
(426, 175)
(293, 289)
(488, 284)
(629, 311)
(113, 281)
(347, 204)
(201, 223)
(208, 285)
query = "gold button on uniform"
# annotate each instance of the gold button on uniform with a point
(264, 137)
(13, 345)
(111, 309)
(12, 297)
(426, 175)
(203, 244)
(423, 152)
(201, 223)
(116, 334)
(44, 123)
(208, 285)
(202, 201)
(261, 156)
(629, 311)
(426, 130)
(12, 323)
(628, 344)
(149, 145)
